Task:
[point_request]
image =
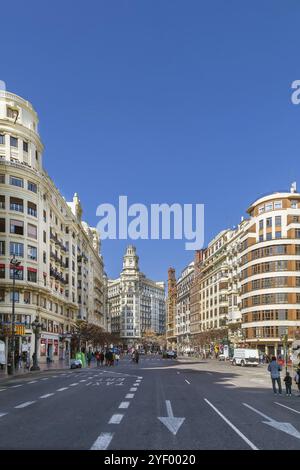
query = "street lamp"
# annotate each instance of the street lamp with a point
(14, 263)
(285, 345)
(36, 328)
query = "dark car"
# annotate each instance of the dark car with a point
(169, 354)
(75, 364)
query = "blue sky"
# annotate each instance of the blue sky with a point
(164, 101)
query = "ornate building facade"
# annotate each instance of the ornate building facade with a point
(60, 277)
(136, 303)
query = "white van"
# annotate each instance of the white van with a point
(245, 357)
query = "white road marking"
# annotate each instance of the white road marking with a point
(83, 380)
(124, 404)
(2, 389)
(15, 386)
(284, 406)
(133, 389)
(45, 378)
(171, 422)
(88, 384)
(103, 441)
(2, 414)
(187, 382)
(33, 382)
(73, 385)
(288, 428)
(129, 395)
(136, 385)
(47, 395)
(140, 377)
(62, 389)
(23, 405)
(115, 419)
(209, 373)
(250, 444)
(178, 373)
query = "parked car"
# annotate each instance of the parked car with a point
(245, 357)
(75, 364)
(222, 357)
(169, 354)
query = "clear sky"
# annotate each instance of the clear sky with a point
(161, 100)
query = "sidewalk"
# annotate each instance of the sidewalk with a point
(60, 365)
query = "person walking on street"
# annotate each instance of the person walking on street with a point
(297, 377)
(288, 384)
(136, 356)
(274, 368)
(101, 358)
(89, 358)
(97, 356)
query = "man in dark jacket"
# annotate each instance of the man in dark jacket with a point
(274, 368)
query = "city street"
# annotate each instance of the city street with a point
(157, 404)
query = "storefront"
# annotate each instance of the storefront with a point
(49, 347)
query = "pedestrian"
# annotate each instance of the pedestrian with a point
(297, 377)
(288, 384)
(101, 358)
(107, 358)
(136, 356)
(89, 358)
(117, 357)
(274, 368)
(97, 356)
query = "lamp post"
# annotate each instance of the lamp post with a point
(36, 328)
(15, 264)
(285, 345)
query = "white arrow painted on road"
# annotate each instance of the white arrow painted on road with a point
(288, 428)
(172, 423)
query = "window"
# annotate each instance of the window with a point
(269, 236)
(261, 238)
(2, 271)
(2, 225)
(269, 206)
(26, 297)
(31, 275)
(2, 139)
(13, 141)
(16, 249)
(32, 187)
(31, 209)
(2, 295)
(2, 247)
(294, 204)
(18, 274)
(278, 221)
(44, 257)
(44, 236)
(32, 231)
(261, 224)
(17, 227)
(17, 296)
(277, 204)
(25, 146)
(278, 234)
(16, 181)
(44, 216)
(261, 209)
(36, 155)
(2, 179)
(16, 204)
(269, 222)
(2, 202)
(32, 252)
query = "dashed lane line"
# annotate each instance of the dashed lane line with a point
(133, 389)
(32, 382)
(47, 395)
(103, 441)
(129, 395)
(3, 414)
(62, 389)
(124, 404)
(116, 419)
(187, 382)
(16, 386)
(2, 389)
(24, 405)
(73, 385)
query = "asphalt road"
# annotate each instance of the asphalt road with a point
(159, 404)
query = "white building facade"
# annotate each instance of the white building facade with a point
(136, 303)
(60, 277)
